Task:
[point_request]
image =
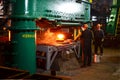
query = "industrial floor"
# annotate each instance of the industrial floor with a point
(107, 69)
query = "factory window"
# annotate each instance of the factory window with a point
(94, 18)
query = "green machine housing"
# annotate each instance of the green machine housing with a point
(23, 27)
(113, 25)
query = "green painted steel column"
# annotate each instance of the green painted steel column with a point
(111, 25)
(23, 35)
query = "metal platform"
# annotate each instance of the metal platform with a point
(52, 50)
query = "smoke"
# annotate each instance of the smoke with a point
(46, 37)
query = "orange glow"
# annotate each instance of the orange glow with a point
(51, 38)
(60, 37)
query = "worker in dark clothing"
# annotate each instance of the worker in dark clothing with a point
(98, 39)
(86, 45)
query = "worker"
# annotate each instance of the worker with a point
(98, 39)
(86, 45)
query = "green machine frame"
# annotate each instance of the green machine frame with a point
(23, 35)
(23, 27)
(113, 25)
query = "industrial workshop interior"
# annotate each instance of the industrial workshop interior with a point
(41, 39)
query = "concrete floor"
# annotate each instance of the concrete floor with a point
(107, 69)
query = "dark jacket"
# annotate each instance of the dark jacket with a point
(98, 35)
(87, 37)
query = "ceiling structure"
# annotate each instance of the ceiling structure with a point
(101, 7)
